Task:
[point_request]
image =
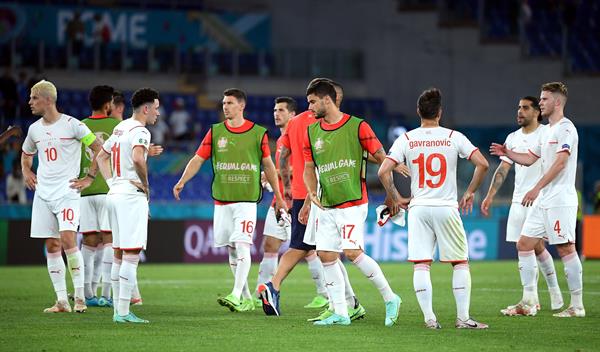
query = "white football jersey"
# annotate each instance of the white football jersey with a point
(127, 135)
(432, 156)
(58, 148)
(560, 137)
(525, 176)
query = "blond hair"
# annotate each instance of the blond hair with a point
(556, 88)
(46, 89)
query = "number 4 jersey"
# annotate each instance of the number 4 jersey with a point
(126, 136)
(432, 156)
(58, 147)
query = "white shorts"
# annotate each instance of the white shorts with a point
(516, 219)
(50, 217)
(557, 225)
(428, 226)
(310, 233)
(128, 218)
(272, 229)
(340, 229)
(234, 222)
(94, 217)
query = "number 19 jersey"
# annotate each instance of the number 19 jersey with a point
(126, 136)
(432, 156)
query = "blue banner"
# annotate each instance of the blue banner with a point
(139, 28)
(390, 242)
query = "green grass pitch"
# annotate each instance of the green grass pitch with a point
(180, 302)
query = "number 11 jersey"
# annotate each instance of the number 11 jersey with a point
(432, 156)
(127, 135)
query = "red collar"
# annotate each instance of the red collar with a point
(98, 117)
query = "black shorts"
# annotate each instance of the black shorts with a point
(297, 240)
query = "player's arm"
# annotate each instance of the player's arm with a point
(310, 181)
(558, 165)
(141, 169)
(103, 161)
(28, 175)
(84, 182)
(393, 200)
(497, 180)
(284, 171)
(271, 175)
(526, 159)
(191, 169)
(10, 132)
(481, 167)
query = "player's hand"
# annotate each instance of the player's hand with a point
(402, 169)
(486, 204)
(395, 203)
(303, 213)
(498, 149)
(530, 197)
(264, 182)
(466, 203)
(142, 187)
(30, 179)
(177, 189)
(155, 150)
(81, 183)
(315, 199)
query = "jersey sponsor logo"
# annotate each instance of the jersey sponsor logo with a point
(336, 165)
(430, 144)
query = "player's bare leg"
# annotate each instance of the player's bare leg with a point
(268, 265)
(286, 264)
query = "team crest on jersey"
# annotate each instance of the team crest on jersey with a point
(319, 144)
(222, 143)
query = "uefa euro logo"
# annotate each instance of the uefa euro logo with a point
(222, 143)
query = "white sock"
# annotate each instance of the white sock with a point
(372, 271)
(114, 279)
(77, 270)
(528, 270)
(574, 274)
(334, 280)
(56, 270)
(423, 290)
(97, 272)
(107, 258)
(267, 268)
(349, 291)
(243, 261)
(546, 264)
(88, 253)
(461, 286)
(316, 271)
(127, 279)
